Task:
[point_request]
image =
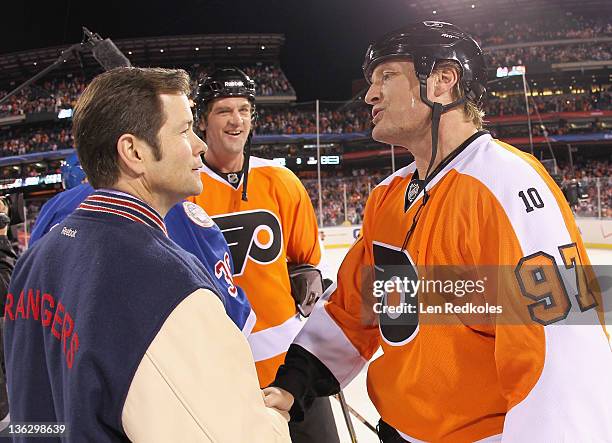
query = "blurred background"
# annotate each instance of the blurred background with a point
(549, 92)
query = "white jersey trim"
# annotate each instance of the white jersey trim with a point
(402, 173)
(339, 354)
(257, 162)
(274, 341)
(249, 324)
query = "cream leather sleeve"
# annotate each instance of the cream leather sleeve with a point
(197, 382)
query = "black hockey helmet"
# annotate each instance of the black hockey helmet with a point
(426, 43)
(225, 82)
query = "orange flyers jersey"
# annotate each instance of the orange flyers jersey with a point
(539, 371)
(275, 226)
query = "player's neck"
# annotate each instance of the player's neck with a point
(453, 131)
(223, 162)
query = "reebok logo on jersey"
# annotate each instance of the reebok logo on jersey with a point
(69, 232)
(254, 235)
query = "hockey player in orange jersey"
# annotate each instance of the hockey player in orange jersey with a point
(539, 371)
(270, 226)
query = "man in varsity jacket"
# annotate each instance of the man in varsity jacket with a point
(111, 327)
(539, 369)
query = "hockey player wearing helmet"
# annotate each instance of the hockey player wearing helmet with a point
(268, 220)
(527, 373)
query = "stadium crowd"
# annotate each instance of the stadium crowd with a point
(588, 187)
(358, 183)
(48, 96)
(55, 94)
(552, 27)
(294, 120)
(515, 104)
(298, 120)
(24, 140)
(549, 54)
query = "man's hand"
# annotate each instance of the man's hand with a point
(278, 399)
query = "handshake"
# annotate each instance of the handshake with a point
(279, 400)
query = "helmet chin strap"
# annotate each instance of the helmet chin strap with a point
(245, 166)
(437, 110)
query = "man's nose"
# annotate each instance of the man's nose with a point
(373, 94)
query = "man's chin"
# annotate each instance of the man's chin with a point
(379, 135)
(195, 190)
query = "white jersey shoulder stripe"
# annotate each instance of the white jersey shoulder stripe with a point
(257, 162)
(402, 173)
(505, 174)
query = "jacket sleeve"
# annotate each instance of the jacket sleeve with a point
(197, 382)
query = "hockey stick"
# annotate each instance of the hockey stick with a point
(347, 418)
(359, 417)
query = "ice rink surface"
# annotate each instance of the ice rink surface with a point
(356, 393)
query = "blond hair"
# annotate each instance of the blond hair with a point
(471, 110)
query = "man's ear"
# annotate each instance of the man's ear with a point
(445, 80)
(130, 154)
(202, 124)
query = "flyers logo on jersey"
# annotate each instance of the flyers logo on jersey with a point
(254, 235)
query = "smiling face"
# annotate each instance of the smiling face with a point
(398, 114)
(228, 125)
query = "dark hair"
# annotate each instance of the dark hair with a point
(121, 101)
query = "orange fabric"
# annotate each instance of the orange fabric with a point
(266, 369)
(451, 382)
(277, 190)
